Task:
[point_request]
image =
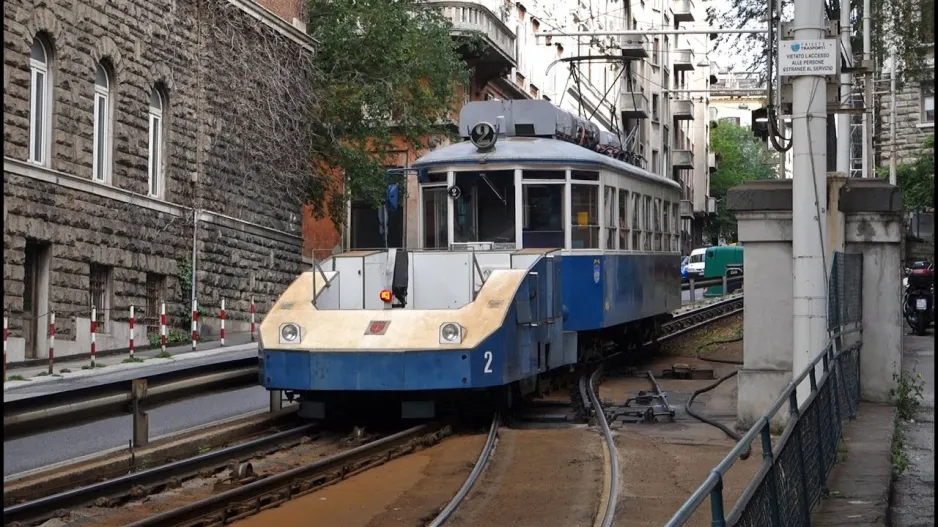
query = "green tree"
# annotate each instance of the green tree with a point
(386, 75)
(906, 24)
(916, 179)
(742, 157)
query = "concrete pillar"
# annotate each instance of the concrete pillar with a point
(763, 212)
(874, 228)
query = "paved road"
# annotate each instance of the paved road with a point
(36, 451)
(914, 503)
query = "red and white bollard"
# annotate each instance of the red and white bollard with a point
(131, 332)
(195, 324)
(6, 335)
(222, 322)
(51, 341)
(252, 318)
(163, 327)
(94, 331)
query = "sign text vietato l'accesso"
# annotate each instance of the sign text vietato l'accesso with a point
(808, 57)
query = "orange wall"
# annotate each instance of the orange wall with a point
(285, 9)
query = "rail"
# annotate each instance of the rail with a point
(44, 508)
(794, 472)
(608, 513)
(473, 476)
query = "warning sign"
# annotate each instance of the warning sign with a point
(808, 57)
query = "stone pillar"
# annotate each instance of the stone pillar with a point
(763, 212)
(874, 228)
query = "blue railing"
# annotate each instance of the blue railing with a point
(794, 471)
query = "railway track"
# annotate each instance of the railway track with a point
(251, 494)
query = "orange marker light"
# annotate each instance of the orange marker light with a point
(385, 296)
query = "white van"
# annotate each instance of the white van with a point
(695, 264)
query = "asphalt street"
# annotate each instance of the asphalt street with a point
(36, 451)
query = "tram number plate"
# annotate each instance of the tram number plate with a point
(921, 304)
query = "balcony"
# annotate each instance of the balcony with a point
(682, 109)
(683, 11)
(682, 160)
(712, 162)
(634, 105)
(473, 18)
(682, 60)
(634, 47)
(686, 209)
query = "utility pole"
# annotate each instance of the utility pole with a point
(846, 87)
(893, 73)
(867, 88)
(809, 198)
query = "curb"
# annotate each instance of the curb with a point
(179, 357)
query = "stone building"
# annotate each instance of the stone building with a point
(915, 109)
(136, 135)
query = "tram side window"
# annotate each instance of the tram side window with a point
(636, 222)
(666, 226)
(434, 201)
(585, 215)
(485, 210)
(646, 209)
(676, 239)
(609, 201)
(623, 220)
(656, 224)
(542, 225)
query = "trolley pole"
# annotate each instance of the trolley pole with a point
(809, 193)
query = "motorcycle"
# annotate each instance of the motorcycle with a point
(919, 297)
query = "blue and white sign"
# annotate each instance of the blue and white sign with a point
(596, 271)
(808, 57)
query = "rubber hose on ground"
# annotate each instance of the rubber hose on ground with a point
(721, 426)
(721, 361)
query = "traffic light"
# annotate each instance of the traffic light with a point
(760, 123)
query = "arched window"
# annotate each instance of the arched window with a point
(101, 166)
(155, 162)
(39, 102)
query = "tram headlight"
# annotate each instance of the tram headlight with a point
(450, 333)
(289, 334)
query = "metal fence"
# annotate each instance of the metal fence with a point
(844, 292)
(794, 471)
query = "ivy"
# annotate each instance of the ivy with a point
(386, 76)
(916, 179)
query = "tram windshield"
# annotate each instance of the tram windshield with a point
(485, 208)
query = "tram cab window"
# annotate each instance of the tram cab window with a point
(656, 224)
(485, 209)
(609, 202)
(623, 219)
(646, 208)
(434, 201)
(636, 222)
(542, 219)
(585, 216)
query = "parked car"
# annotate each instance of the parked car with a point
(696, 264)
(684, 268)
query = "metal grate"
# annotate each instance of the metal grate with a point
(98, 289)
(845, 291)
(155, 286)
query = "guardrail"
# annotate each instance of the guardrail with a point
(70, 408)
(732, 275)
(794, 473)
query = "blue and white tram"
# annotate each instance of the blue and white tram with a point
(535, 251)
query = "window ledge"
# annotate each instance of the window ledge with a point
(924, 125)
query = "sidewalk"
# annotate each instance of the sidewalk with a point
(862, 490)
(79, 366)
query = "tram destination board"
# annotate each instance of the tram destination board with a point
(808, 57)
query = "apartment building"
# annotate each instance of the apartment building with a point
(664, 102)
(914, 117)
(125, 155)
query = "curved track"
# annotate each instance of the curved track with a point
(610, 494)
(473, 476)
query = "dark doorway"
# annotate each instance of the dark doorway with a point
(35, 296)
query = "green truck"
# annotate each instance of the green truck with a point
(716, 262)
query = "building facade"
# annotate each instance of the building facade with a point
(131, 145)
(915, 118)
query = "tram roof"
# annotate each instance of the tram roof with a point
(531, 150)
